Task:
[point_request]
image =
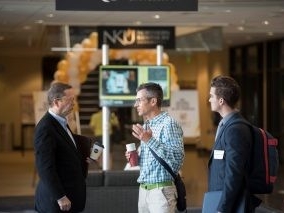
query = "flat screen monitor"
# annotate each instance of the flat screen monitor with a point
(118, 83)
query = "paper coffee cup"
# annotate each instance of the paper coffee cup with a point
(96, 151)
(130, 147)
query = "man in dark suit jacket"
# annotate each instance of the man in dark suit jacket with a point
(60, 162)
(228, 163)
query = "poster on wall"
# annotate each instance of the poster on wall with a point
(27, 112)
(184, 108)
(40, 104)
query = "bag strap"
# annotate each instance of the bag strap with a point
(243, 121)
(164, 164)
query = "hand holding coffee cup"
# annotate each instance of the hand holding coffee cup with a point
(96, 151)
(133, 155)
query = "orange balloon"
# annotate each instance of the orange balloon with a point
(62, 65)
(152, 58)
(85, 57)
(112, 54)
(94, 39)
(84, 69)
(86, 43)
(82, 78)
(61, 76)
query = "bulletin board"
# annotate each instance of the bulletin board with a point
(27, 109)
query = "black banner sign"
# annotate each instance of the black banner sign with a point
(127, 5)
(136, 37)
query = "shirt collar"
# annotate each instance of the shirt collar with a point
(158, 118)
(227, 117)
(61, 120)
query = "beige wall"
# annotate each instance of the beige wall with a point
(198, 69)
(19, 75)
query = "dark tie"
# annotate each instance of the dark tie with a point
(220, 126)
(70, 135)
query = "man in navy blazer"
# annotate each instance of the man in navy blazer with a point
(228, 162)
(60, 162)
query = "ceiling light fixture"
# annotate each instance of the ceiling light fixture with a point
(50, 15)
(241, 28)
(39, 21)
(157, 16)
(137, 22)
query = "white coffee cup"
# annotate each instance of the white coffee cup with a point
(130, 147)
(133, 158)
(96, 151)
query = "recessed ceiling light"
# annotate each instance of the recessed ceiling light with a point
(157, 16)
(39, 21)
(241, 28)
(50, 15)
(270, 34)
(265, 22)
(228, 11)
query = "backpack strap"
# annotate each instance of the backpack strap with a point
(243, 121)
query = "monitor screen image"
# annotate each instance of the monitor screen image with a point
(118, 83)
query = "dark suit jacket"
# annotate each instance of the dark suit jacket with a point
(228, 174)
(60, 165)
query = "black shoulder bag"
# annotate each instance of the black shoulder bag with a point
(181, 191)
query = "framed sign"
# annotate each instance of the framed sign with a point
(121, 37)
(27, 109)
(185, 109)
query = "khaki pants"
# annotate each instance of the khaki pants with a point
(158, 200)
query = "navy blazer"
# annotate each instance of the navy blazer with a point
(228, 164)
(60, 166)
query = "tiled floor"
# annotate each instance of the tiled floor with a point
(17, 175)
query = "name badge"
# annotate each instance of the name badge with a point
(219, 154)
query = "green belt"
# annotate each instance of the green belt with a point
(149, 186)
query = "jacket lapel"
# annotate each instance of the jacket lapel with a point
(64, 134)
(222, 130)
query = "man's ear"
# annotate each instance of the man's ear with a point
(221, 101)
(56, 102)
(153, 101)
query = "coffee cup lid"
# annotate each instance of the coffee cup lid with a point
(130, 147)
(99, 144)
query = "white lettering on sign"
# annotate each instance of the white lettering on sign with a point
(124, 37)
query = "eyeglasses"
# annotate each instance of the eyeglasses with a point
(65, 98)
(139, 100)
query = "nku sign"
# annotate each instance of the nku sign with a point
(136, 37)
(127, 5)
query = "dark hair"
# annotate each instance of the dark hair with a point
(153, 90)
(227, 88)
(56, 91)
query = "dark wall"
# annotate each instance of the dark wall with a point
(48, 67)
